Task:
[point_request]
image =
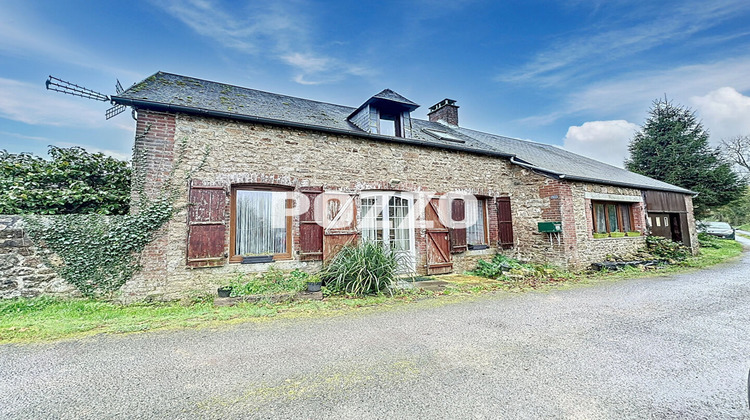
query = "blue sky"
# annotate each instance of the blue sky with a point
(579, 74)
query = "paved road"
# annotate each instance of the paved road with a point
(666, 347)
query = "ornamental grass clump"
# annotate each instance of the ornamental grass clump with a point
(365, 269)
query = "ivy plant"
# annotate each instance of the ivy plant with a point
(99, 253)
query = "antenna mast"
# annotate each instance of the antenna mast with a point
(68, 88)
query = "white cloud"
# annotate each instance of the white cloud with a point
(605, 141)
(725, 113)
(276, 29)
(33, 104)
(631, 96)
(621, 38)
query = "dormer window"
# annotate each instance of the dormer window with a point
(389, 125)
(387, 114)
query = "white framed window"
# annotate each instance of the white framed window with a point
(387, 219)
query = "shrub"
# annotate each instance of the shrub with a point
(364, 269)
(272, 281)
(665, 248)
(73, 181)
(495, 268)
(707, 241)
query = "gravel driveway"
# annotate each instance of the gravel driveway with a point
(664, 347)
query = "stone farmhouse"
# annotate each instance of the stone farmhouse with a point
(288, 181)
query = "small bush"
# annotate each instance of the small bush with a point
(496, 267)
(707, 241)
(272, 281)
(666, 249)
(364, 269)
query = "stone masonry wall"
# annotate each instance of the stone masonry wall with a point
(245, 153)
(23, 272)
(591, 249)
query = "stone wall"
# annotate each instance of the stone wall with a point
(246, 153)
(591, 249)
(23, 272)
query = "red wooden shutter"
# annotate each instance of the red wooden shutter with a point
(339, 223)
(206, 226)
(310, 229)
(505, 222)
(458, 230)
(438, 242)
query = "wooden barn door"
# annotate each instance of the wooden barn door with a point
(438, 241)
(206, 226)
(340, 223)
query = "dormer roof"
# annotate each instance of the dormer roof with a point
(390, 100)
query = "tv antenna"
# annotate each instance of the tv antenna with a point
(68, 88)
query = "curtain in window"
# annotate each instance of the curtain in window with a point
(372, 220)
(475, 233)
(625, 213)
(261, 222)
(398, 210)
(600, 218)
(612, 216)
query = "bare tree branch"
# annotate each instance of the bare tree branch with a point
(737, 150)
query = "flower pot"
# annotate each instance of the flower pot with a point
(224, 291)
(313, 286)
(600, 235)
(617, 234)
(634, 233)
(257, 259)
(477, 247)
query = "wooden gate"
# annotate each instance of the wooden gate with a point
(438, 241)
(339, 223)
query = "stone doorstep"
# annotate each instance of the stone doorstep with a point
(432, 285)
(284, 297)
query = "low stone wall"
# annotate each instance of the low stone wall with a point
(23, 272)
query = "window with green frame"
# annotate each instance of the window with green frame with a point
(612, 217)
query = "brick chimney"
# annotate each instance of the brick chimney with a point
(445, 110)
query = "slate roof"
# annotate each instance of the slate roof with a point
(390, 95)
(175, 93)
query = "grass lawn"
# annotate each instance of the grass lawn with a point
(45, 319)
(745, 227)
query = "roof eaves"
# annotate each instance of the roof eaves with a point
(671, 188)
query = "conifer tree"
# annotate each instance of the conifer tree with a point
(672, 146)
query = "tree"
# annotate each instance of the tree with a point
(672, 146)
(73, 181)
(737, 150)
(735, 213)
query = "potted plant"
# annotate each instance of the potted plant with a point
(634, 233)
(224, 291)
(617, 234)
(257, 259)
(314, 283)
(600, 235)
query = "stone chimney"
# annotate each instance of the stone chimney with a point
(445, 110)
